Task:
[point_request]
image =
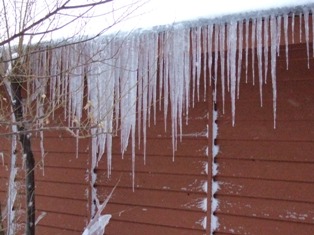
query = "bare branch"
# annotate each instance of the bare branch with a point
(54, 12)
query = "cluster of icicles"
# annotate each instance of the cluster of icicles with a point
(129, 77)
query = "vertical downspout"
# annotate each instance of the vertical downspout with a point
(209, 164)
(214, 170)
(212, 220)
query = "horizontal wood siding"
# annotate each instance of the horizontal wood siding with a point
(61, 184)
(266, 175)
(170, 197)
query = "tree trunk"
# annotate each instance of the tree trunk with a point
(27, 150)
(1, 226)
(30, 184)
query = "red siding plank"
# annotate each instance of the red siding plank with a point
(117, 227)
(235, 224)
(291, 211)
(264, 189)
(157, 216)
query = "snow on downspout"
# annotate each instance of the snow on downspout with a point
(215, 185)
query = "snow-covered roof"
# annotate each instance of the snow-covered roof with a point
(126, 16)
(151, 13)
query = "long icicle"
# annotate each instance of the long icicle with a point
(222, 39)
(286, 24)
(274, 41)
(216, 39)
(253, 37)
(259, 27)
(307, 36)
(232, 37)
(266, 38)
(247, 23)
(240, 56)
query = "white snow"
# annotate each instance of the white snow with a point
(98, 226)
(148, 12)
(127, 16)
(214, 184)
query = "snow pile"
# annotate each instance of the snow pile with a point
(97, 225)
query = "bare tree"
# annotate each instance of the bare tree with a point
(28, 71)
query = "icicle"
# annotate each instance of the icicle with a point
(128, 92)
(161, 67)
(109, 101)
(312, 12)
(266, 38)
(180, 79)
(166, 49)
(240, 48)
(285, 22)
(177, 86)
(53, 82)
(222, 38)
(152, 72)
(174, 94)
(232, 37)
(76, 88)
(274, 41)
(133, 97)
(229, 44)
(210, 51)
(174, 51)
(198, 60)
(216, 61)
(307, 37)
(147, 84)
(40, 88)
(259, 28)
(204, 55)
(125, 126)
(246, 49)
(194, 63)
(149, 77)
(101, 87)
(187, 66)
(292, 26)
(278, 34)
(253, 34)
(141, 72)
(65, 80)
(116, 47)
(300, 24)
